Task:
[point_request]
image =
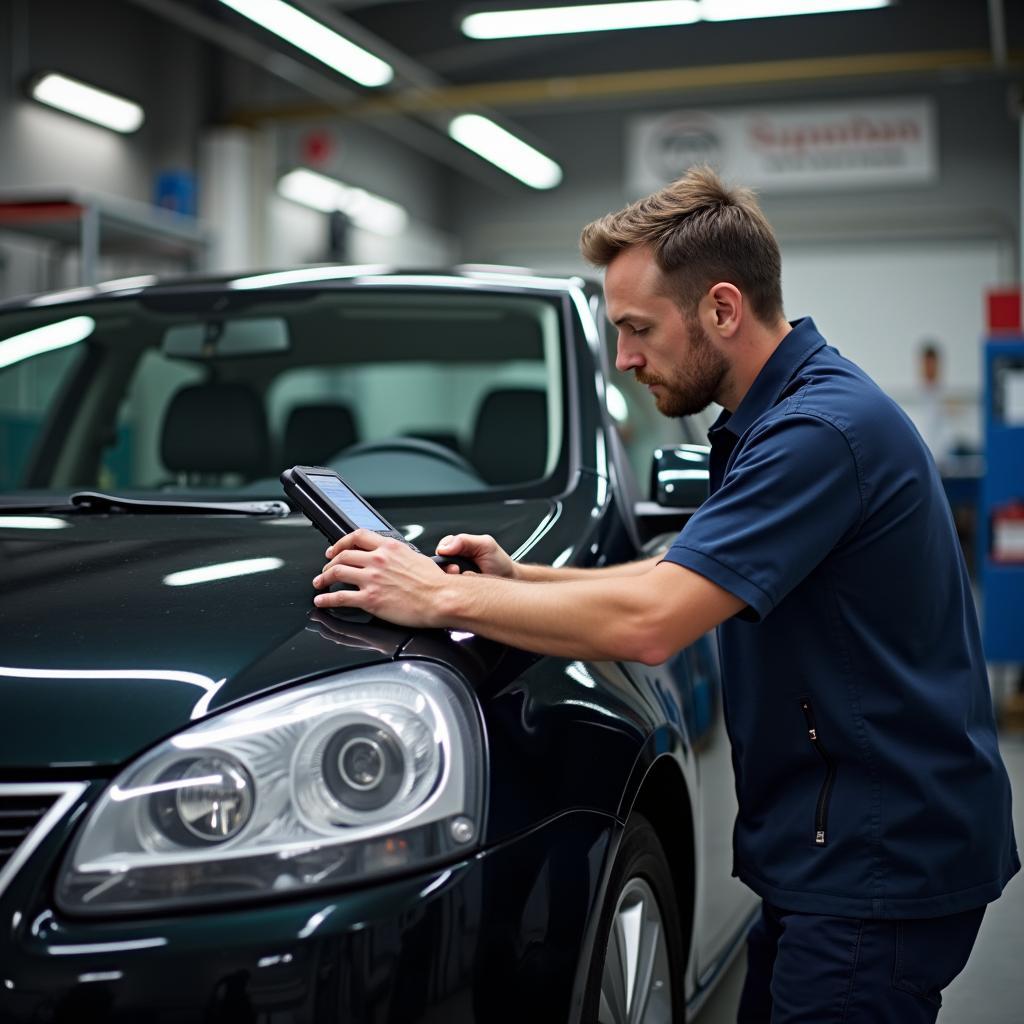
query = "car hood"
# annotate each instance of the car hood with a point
(107, 647)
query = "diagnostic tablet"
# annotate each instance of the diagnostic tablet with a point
(335, 508)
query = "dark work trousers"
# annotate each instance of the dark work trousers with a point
(814, 969)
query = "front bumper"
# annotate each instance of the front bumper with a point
(497, 937)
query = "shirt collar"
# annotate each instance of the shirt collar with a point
(791, 353)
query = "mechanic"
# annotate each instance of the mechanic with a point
(849, 643)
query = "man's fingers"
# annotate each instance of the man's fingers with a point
(353, 556)
(453, 544)
(337, 573)
(365, 540)
(338, 599)
(466, 544)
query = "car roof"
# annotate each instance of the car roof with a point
(312, 277)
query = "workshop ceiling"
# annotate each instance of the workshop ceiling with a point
(440, 74)
(917, 38)
(429, 31)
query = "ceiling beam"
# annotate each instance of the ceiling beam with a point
(580, 89)
(335, 99)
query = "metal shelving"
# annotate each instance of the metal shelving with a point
(92, 223)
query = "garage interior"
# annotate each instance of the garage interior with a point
(240, 152)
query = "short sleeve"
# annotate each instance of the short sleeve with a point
(789, 497)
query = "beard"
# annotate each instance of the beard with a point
(694, 386)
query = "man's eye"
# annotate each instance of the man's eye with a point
(637, 331)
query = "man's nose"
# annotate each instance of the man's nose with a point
(626, 359)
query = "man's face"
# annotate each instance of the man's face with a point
(669, 352)
(930, 368)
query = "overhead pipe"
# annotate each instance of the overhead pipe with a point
(626, 85)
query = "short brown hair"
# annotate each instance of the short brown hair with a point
(701, 232)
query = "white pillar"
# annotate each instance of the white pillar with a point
(227, 204)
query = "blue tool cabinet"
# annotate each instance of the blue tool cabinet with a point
(1002, 495)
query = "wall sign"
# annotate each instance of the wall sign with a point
(861, 144)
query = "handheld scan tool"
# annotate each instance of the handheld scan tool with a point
(335, 509)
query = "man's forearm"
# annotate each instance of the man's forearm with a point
(577, 618)
(639, 617)
(548, 574)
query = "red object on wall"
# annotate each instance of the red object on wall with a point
(317, 146)
(1008, 533)
(1004, 313)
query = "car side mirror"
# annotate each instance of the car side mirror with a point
(679, 483)
(679, 475)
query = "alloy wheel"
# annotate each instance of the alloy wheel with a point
(635, 982)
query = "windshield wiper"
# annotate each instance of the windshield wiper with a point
(95, 501)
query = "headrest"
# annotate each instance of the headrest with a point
(315, 432)
(510, 442)
(215, 428)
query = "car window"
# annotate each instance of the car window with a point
(403, 392)
(26, 394)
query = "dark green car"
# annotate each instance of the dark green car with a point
(218, 803)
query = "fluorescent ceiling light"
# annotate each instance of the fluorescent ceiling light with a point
(316, 39)
(366, 210)
(736, 10)
(223, 571)
(546, 21)
(552, 21)
(88, 102)
(504, 150)
(45, 339)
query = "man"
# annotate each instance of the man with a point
(932, 412)
(874, 809)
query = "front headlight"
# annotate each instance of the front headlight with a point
(372, 772)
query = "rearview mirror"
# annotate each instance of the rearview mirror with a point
(241, 336)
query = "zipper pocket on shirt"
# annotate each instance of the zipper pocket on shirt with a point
(821, 811)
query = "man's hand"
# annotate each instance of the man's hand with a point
(394, 582)
(483, 550)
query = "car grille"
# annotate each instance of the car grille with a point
(27, 813)
(18, 816)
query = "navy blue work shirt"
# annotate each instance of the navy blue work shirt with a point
(856, 696)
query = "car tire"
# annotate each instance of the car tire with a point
(636, 969)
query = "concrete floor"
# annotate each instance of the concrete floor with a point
(991, 988)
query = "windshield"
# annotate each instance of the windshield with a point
(401, 392)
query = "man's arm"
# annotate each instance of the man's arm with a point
(645, 616)
(548, 574)
(484, 550)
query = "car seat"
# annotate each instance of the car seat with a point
(215, 428)
(313, 433)
(510, 440)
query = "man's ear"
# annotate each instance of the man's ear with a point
(726, 302)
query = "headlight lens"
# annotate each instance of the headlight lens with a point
(206, 800)
(372, 772)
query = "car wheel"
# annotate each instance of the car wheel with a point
(636, 971)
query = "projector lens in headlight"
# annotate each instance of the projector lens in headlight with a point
(364, 766)
(206, 800)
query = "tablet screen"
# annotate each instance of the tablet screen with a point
(353, 509)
